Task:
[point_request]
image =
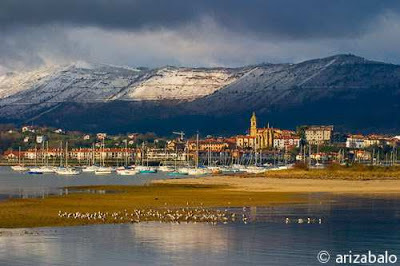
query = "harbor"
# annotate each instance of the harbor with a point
(262, 149)
(179, 133)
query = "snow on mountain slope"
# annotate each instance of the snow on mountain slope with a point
(73, 83)
(90, 83)
(12, 83)
(182, 83)
(285, 84)
(86, 83)
(222, 90)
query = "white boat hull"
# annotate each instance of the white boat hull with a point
(47, 169)
(67, 171)
(19, 168)
(198, 171)
(35, 170)
(103, 171)
(254, 170)
(90, 169)
(165, 169)
(127, 172)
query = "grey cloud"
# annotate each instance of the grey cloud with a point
(194, 33)
(30, 47)
(288, 19)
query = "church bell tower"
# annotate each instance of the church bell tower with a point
(253, 125)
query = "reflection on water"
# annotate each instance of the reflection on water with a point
(22, 185)
(349, 224)
(188, 238)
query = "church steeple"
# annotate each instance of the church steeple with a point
(253, 125)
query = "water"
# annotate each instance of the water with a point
(348, 224)
(16, 184)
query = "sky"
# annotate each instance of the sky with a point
(209, 33)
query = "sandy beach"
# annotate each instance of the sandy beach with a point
(265, 184)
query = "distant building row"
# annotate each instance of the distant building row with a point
(361, 142)
(269, 137)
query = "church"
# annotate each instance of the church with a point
(264, 137)
(259, 138)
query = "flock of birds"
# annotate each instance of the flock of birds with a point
(189, 215)
(302, 221)
(178, 215)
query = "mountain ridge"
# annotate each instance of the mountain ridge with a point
(331, 90)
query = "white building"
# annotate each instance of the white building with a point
(355, 142)
(318, 135)
(286, 142)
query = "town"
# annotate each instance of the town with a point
(262, 148)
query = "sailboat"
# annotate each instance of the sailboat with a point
(197, 170)
(67, 170)
(103, 170)
(46, 168)
(253, 169)
(213, 168)
(19, 166)
(163, 167)
(93, 167)
(176, 172)
(131, 171)
(35, 170)
(127, 170)
(146, 169)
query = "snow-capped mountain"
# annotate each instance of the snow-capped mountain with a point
(84, 83)
(180, 83)
(281, 85)
(345, 90)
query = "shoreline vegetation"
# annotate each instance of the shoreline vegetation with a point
(338, 172)
(202, 194)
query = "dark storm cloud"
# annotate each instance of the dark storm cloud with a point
(194, 33)
(298, 19)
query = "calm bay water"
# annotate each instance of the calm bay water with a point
(16, 184)
(348, 223)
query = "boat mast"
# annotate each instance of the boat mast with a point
(42, 153)
(126, 153)
(47, 153)
(35, 155)
(147, 156)
(197, 150)
(61, 154)
(209, 156)
(176, 155)
(66, 154)
(19, 155)
(93, 154)
(102, 154)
